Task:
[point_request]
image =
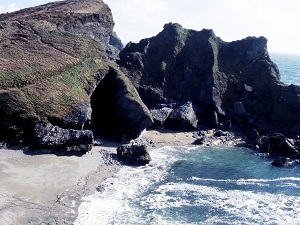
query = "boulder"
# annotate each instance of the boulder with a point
(282, 162)
(264, 144)
(199, 141)
(253, 138)
(182, 118)
(47, 136)
(160, 115)
(134, 154)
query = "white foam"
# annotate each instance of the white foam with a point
(121, 200)
(247, 207)
(107, 206)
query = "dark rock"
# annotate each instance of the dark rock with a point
(227, 125)
(47, 136)
(160, 115)
(134, 154)
(253, 138)
(264, 144)
(182, 118)
(199, 141)
(288, 149)
(118, 111)
(197, 66)
(282, 146)
(282, 162)
(239, 109)
(219, 133)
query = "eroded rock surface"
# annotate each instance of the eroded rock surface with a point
(236, 80)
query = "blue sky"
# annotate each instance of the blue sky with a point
(231, 20)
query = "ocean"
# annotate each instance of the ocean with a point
(201, 185)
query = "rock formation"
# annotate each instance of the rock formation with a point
(52, 58)
(61, 74)
(224, 80)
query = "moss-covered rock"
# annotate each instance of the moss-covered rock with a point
(52, 57)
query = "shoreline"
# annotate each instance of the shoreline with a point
(46, 188)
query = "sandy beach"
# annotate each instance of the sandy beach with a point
(47, 189)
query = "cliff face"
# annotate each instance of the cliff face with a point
(52, 57)
(197, 66)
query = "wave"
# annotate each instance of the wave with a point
(154, 195)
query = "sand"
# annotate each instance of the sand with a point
(47, 189)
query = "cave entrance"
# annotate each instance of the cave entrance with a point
(104, 113)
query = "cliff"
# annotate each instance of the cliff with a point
(216, 76)
(52, 58)
(64, 76)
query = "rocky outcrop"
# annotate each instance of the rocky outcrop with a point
(52, 59)
(118, 111)
(47, 136)
(234, 81)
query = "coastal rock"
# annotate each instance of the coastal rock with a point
(283, 146)
(253, 138)
(51, 59)
(264, 144)
(54, 59)
(134, 154)
(47, 136)
(118, 111)
(182, 118)
(197, 66)
(282, 162)
(160, 115)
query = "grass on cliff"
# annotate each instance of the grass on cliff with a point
(58, 95)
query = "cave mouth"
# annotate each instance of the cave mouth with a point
(104, 118)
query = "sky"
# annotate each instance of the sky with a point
(231, 20)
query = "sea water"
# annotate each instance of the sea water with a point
(201, 185)
(289, 67)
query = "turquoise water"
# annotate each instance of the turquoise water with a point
(289, 67)
(201, 185)
(198, 186)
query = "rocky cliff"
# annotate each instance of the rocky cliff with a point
(61, 75)
(52, 58)
(224, 80)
